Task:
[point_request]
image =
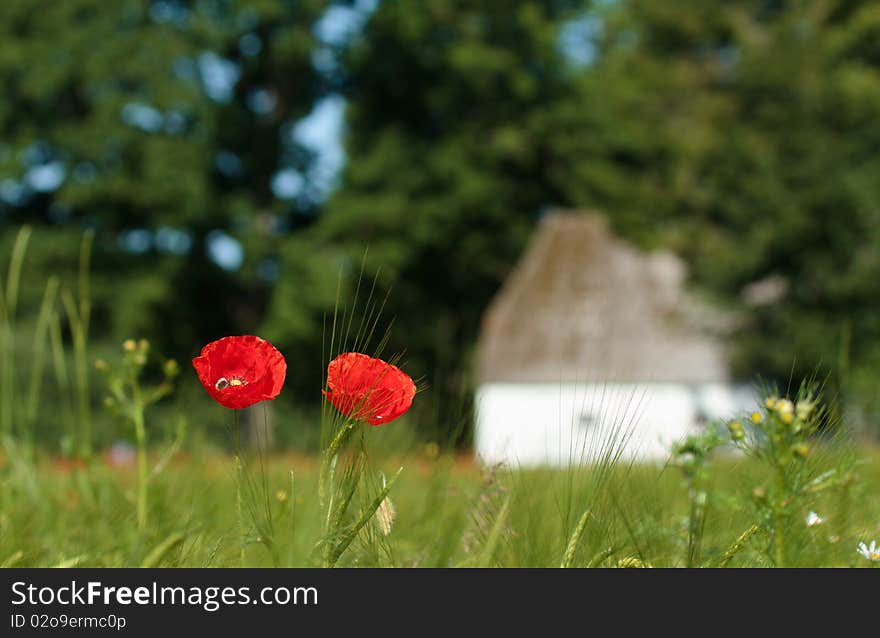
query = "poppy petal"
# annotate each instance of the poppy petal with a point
(368, 389)
(240, 371)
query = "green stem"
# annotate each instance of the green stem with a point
(82, 375)
(238, 501)
(692, 528)
(342, 435)
(574, 541)
(337, 550)
(778, 522)
(327, 493)
(82, 337)
(339, 440)
(8, 307)
(141, 435)
(734, 549)
(6, 377)
(78, 330)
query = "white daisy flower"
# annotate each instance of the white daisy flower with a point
(814, 519)
(871, 552)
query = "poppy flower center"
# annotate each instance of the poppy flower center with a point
(223, 383)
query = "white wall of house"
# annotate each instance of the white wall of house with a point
(524, 424)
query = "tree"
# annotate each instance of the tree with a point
(744, 136)
(160, 124)
(442, 184)
(740, 134)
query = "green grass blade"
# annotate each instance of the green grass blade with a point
(493, 539)
(13, 278)
(162, 549)
(738, 545)
(574, 541)
(70, 562)
(39, 350)
(367, 514)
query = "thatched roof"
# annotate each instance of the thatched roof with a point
(582, 305)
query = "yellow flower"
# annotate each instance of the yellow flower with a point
(756, 417)
(737, 433)
(129, 345)
(171, 368)
(785, 408)
(771, 402)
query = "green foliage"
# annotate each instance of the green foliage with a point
(797, 466)
(118, 107)
(129, 399)
(740, 134)
(57, 513)
(743, 135)
(443, 179)
(693, 456)
(782, 437)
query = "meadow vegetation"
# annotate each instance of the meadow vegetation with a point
(783, 486)
(449, 512)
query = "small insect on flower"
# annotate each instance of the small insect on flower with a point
(368, 389)
(240, 371)
(871, 552)
(814, 519)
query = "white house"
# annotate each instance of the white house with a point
(594, 348)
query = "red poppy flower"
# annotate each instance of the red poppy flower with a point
(368, 389)
(240, 371)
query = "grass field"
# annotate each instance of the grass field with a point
(449, 512)
(782, 486)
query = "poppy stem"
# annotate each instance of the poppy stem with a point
(339, 440)
(342, 435)
(238, 470)
(327, 491)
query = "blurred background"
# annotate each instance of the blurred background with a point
(236, 159)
